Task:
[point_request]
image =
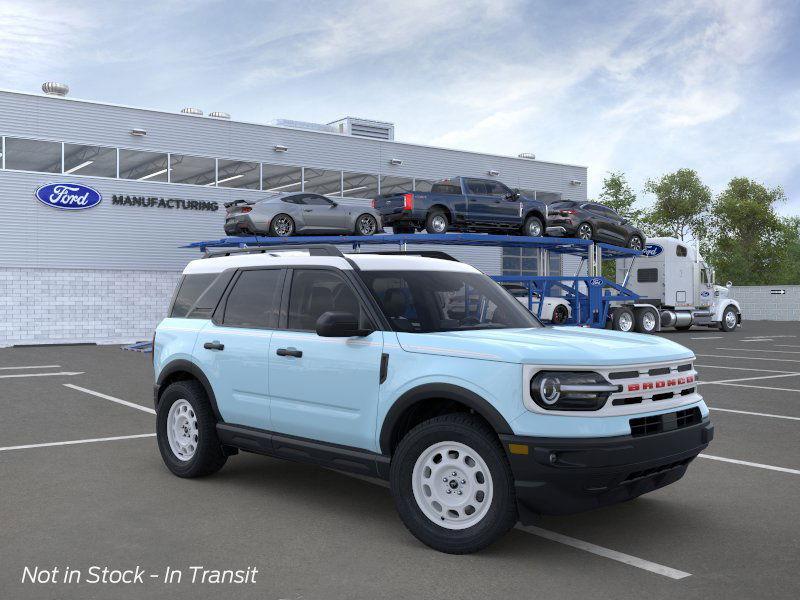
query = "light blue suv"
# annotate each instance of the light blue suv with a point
(425, 372)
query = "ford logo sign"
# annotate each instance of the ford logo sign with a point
(652, 250)
(596, 281)
(68, 196)
(705, 294)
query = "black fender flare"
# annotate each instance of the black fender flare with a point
(535, 212)
(440, 391)
(185, 366)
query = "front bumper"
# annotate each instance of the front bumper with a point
(560, 476)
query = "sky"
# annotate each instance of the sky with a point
(639, 87)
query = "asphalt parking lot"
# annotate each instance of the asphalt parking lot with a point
(729, 529)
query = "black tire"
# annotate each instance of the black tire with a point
(635, 242)
(208, 457)
(724, 325)
(585, 231)
(476, 434)
(643, 324)
(560, 314)
(533, 227)
(434, 220)
(403, 228)
(361, 229)
(623, 317)
(276, 229)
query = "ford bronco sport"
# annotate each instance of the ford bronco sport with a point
(424, 372)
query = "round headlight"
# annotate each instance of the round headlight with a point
(549, 390)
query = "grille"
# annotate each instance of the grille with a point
(666, 422)
(655, 471)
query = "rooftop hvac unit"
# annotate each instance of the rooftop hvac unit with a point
(303, 125)
(219, 115)
(192, 111)
(376, 130)
(51, 88)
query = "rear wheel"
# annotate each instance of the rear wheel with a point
(186, 431)
(729, 320)
(366, 224)
(436, 222)
(623, 320)
(645, 321)
(635, 243)
(584, 231)
(281, 226)
(533, 227)
(452, 484)
(560, 314)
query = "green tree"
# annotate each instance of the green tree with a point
(618, 195)
(750, 243)
(681, 205)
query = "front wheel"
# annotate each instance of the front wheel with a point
(452, 484)
(729, 320)
(186, 431)
(533, 227)
(366, 225)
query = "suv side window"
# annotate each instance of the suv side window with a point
(317, 291)
(254, 301)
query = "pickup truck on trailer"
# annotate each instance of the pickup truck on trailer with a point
(423, 372)
(464, 204)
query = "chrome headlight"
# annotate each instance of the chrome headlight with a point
(570, 390)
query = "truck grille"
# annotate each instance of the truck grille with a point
(666, 422)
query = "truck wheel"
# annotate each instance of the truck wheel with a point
(560, 314)
(645, 321)
(452, 484)
(729, 319)
(281, 226)
(533, 227)
(436, 222)
(186, 431)
(623, 320)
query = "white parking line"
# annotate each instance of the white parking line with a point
(743, 369)
(722, 381)
(15, 375)
(111, 398)
(606, 552)
(749, 357)
(568, 541)
(31, 367)
(757, 387)
(708, 337)
(758, 340)
(755, 414)
(73, 442)
(751, 464)
(758, 350)
(786, 345)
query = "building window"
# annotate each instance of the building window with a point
(96, 161)
(321, 181)
(194, 170)
(237, 174)
(33, 155)
(280, 178)
(143, 166)
(359, 185)
(396, 185)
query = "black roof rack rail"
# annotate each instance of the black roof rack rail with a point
(424, 253)
(313, 250)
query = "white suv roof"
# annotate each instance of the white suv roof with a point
(365, 261)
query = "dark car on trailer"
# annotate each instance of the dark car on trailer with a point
(464, 204)
(594, 221)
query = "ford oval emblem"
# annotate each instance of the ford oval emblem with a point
(705, 293)
(652, 250)
(68, 196)
(596, 281)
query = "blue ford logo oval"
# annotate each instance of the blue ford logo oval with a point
(595, 281)
(68, 196)
(652, 250)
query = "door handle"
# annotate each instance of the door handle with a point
(215, 345)
(289, 352)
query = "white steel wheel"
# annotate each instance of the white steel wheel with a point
(182, 432)
(452, 485)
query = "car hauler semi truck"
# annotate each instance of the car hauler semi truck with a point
(676, 288)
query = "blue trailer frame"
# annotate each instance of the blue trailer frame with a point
(590, 296)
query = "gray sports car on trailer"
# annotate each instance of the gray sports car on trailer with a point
(286, 214)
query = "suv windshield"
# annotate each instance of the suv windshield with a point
(433, 301)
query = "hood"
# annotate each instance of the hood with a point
(575, 346)
(720, 291)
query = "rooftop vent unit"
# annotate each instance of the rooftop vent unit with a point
(527, 155)
(51, 88)
(376, 130)
(303, 125)
(219, 115)
(192, 111)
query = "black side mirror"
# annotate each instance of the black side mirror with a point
(340, 324)
(334, 204)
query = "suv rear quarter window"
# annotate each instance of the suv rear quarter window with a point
(190, 289)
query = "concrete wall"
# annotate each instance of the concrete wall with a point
(759, 304)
